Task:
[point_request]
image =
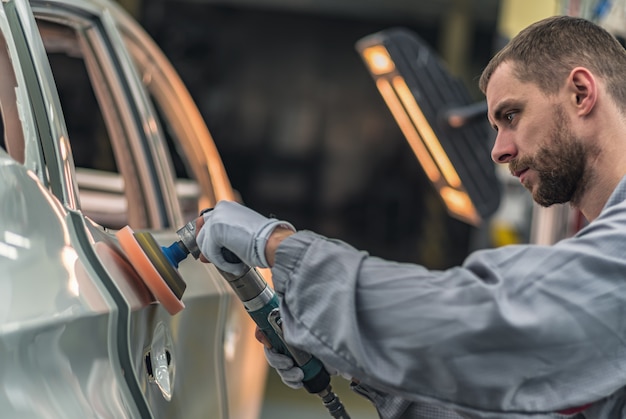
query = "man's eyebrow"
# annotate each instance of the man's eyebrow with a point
(497, 113)
(505, 105)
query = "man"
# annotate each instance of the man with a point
(520, 331)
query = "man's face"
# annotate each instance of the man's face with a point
(559, 164)
(535, 139)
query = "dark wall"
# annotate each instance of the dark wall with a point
(302, 130)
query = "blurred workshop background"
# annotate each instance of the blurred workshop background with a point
(305, 135)
(302, 130)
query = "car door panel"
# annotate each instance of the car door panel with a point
(49, 369)
(208, 299)
(55, 319)
(115, 351)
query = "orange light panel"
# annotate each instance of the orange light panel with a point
(459, 203)
(408, 130)
(426, 132)
(378, 60)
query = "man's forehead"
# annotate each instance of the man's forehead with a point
(500, 78)
(499, 89)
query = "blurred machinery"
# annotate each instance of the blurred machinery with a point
(446, 130)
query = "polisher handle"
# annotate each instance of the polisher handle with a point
(261, 303)
(316, 378)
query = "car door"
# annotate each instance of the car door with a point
(175, 125)
(82, 39)
(117, 140)
(58, 322)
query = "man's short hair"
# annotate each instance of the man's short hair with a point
(546, 52)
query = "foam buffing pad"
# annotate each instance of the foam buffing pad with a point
(156, 271)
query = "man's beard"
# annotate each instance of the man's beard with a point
(560, 165)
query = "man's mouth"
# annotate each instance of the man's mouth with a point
(520, 173)
(518, 170)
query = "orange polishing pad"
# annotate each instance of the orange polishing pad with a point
(152, 265)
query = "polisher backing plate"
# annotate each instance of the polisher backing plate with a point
(145, 261)
(161, 263)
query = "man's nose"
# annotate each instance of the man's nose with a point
(503, 149)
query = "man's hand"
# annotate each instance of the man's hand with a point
(242, 231)
(289, 373)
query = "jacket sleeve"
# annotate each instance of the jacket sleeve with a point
(530, 329)
(394, 407)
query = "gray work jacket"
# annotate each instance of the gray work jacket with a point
(518, 331)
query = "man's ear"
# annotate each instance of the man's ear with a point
(583, 89)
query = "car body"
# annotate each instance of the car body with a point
(99, 132)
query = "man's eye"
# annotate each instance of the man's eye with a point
(510, 116)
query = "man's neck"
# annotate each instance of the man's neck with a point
(596, 196)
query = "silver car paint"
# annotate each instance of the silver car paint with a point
(85, 347)
(55, 321)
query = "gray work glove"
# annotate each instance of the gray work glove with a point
(291, 374)
(239, 229)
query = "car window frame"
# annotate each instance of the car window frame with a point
(168, 90)
(46, 149)
(141, 160)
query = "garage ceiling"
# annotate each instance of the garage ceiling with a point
(483, 11)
